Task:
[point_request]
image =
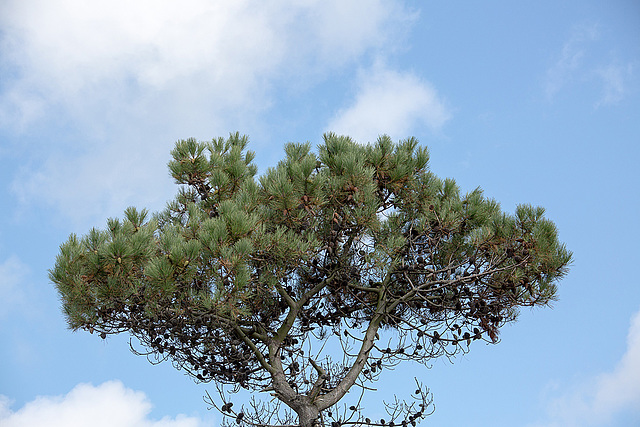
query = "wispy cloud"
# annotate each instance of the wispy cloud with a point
(570, 60)
(606, 396)
(392, 103)
(125, 79)
(615, 79)
(577, 65)
(87, 187)
(12, 287)
(110, 404)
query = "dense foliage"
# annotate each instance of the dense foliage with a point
(256, 283)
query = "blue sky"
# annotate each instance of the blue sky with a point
(535, 103)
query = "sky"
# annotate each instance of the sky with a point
(534, 102)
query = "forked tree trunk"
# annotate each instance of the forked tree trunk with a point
(308, 416)
(307, 411)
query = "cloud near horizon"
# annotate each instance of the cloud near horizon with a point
(392, 103)
(110, 404)
(605, 396)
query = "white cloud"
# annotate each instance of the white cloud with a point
(392, 103)
(75, 53)
(607, 395)
(107, 405)
(70, 50)
(125, 79)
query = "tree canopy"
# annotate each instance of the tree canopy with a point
(312, 278)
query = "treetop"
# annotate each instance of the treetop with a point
(238, 272)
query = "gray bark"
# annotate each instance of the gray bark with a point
(308, 415)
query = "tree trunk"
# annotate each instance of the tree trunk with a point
(308, 416)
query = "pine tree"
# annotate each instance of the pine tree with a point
(238, 278)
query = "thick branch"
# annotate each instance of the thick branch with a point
(332, 397)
